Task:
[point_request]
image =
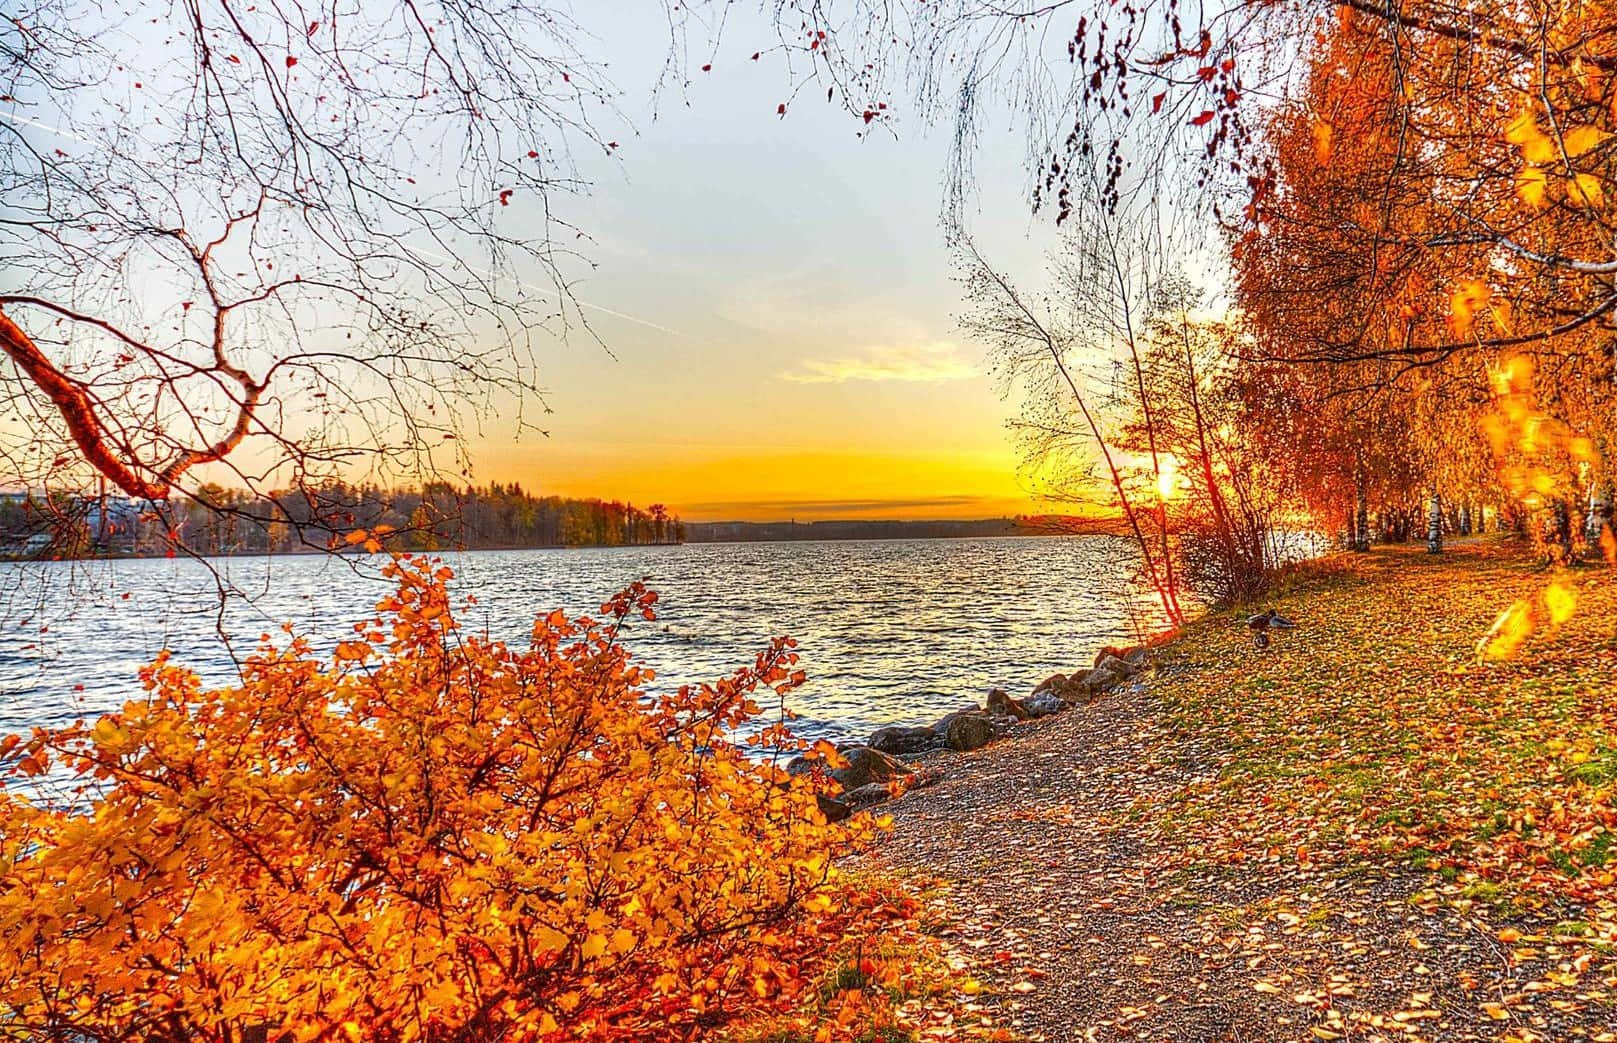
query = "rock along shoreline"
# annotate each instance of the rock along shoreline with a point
(898, 758)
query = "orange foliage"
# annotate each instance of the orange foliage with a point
(437, 837)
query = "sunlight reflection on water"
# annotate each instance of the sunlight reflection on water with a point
(896, 631)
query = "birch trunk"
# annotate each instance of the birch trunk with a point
(1361, 536)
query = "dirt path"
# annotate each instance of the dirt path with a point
(1084, 919)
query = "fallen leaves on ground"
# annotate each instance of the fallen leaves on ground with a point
(1363, 833)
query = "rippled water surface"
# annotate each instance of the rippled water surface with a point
(895, 631)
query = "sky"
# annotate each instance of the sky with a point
(777, 306)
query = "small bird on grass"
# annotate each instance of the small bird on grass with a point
(1264, 622)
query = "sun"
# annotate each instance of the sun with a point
(1167, 478)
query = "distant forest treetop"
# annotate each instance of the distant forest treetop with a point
(436, 516)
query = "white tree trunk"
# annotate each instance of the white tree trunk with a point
(1361, 534)
(1434, 524)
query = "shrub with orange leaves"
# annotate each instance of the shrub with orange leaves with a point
(435, 837)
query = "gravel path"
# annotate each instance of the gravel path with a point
(1084, 921)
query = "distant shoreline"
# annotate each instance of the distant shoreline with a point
(699, 533)
(793, 531)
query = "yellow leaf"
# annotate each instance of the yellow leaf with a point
(1585, 190)
(357, 536)
(1561, 600)
(351, 650)
(1530, 186)
(1522, 128)
(548, 939)
(593, 946)
(1581, 139)
(1541, 149)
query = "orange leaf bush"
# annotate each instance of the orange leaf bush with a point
(437, 837)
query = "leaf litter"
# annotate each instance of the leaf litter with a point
(1363, 833)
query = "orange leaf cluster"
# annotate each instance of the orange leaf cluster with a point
(435, 837)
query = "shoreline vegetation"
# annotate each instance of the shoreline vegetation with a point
(1369, 830)
(220, 522)
(53, 525)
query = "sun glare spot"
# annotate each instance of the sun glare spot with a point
(1168, 479)
(1561, 601)
(1508, 633)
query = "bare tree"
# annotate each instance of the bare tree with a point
(1052, 349)
(276, 242)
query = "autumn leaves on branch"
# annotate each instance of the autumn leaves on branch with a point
(429, 836)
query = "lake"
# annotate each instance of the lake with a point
(890, 631)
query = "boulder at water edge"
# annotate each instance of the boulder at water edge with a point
(1099, 680)
(1120, 667)
(1104, 651)
(1053, 683)
(899, 739)
(1043, 704)
(866, 765)
(969, 731)
(1001, 704)
(865, 796)
(833, 810)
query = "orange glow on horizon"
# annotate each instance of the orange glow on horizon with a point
(703, 483)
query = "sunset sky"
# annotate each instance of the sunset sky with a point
(779, 309)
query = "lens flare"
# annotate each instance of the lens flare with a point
(1560, 601)
(1540, 461)
(1508, 633)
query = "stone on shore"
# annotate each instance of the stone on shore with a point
(1108, 651)
(833, 810)
(899, 739)
(969, 731)
(866, 765)
(1001, 704)
(866, 795)
(1053, 683)
(1043, 704)
(1099, 680)
(1121, 667)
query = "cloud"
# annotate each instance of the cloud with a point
(917, 363)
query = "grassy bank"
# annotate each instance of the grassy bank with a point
(1363, 832)
(1374, 735)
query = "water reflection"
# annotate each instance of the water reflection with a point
(890, 631)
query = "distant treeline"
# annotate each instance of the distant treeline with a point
(436, 516)
(725, 532)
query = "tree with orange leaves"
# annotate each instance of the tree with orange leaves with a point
(1394, 266)
(433, 837)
